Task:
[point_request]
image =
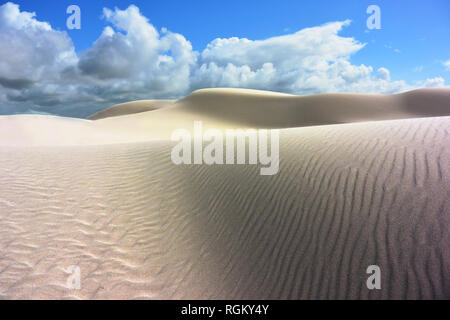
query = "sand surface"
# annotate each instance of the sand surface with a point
(363, 180)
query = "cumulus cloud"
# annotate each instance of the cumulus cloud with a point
(131, 59)
(33, 58)
(139, 53)
(310, 60)
(133, 56)
(31, 49)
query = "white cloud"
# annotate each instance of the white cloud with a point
(31, 49)
(312, 60)
(447, 64)
(131, 59)
(33, 58)
(383, 73)
(434, 82)
(138, 55)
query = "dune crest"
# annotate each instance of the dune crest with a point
(131, 107)
(277, 110)
(141, 121)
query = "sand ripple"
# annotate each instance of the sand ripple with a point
(346, 196)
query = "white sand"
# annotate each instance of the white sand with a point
(219, 108)
(104, 195)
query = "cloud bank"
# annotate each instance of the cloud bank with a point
(41, 72)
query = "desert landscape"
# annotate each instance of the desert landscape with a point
(363, 180)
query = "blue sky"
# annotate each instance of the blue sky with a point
(411, 47)
(419, 29)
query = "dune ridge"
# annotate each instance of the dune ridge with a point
(130, 107)
(219, 108)
(271, 110)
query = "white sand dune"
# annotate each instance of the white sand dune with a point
(105, 196)
(219, 108)
(131, 108)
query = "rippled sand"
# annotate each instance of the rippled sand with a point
(346, 196)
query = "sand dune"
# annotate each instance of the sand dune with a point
(131, 108)
(219, 108)
(270, 110)
(105, 196)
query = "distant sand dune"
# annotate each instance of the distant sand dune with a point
(346, 196)
(131, 107)
(219, 108)
(286, 111)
